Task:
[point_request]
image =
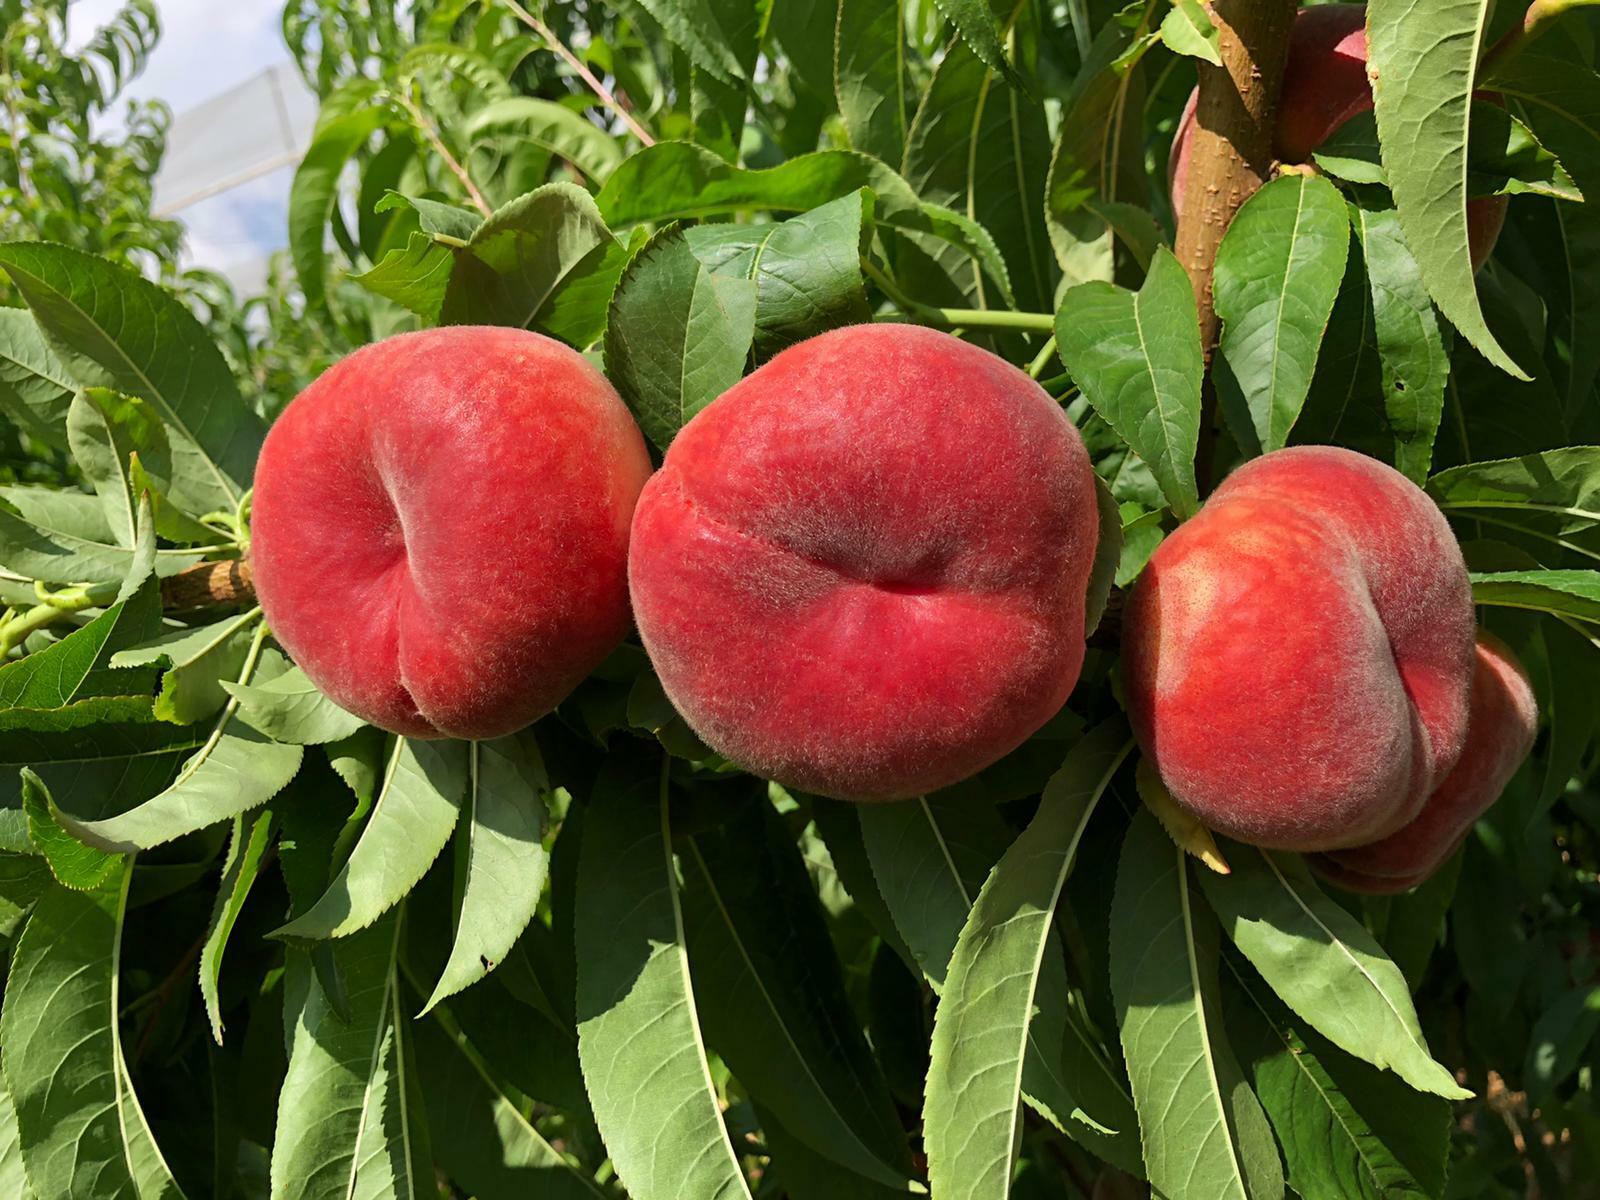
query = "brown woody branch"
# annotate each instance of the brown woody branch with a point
(1230, 156)
(209, 585)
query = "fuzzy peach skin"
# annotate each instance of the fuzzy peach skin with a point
(1297, 655)
(1324, 85)
(440, 529)
(1500, 730)
(862, 570)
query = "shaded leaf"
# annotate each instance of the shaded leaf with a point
(413, 814)
(638, 1035)
(1203, 1131)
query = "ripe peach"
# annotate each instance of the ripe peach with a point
(1324, 85)
(1500, 730)
(1297, 655)
(862, 570)
(440, 529)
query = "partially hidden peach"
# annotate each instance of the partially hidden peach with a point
(1297, 655)
(440, 529)
(1324, 85)
(862, 570)
(1500, 731)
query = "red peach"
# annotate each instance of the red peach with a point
(1298, 654)
(1500, 730)
(440, 529)
(1324, 85)
(862, 570)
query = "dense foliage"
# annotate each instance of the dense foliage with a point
(593, 959)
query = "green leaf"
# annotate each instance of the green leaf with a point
(350, 1119)
(71, 512)
(1083, 165)
(197, 660)
(982, 147)
(1560, 1037)
(1558, 98)
(506, 862)
(314, 194)
(981, 33)
(1553, 497)
(79, 665)
(870, 76)
(480, 1137)
(772, 999)
(79, 1124)
(929, 857)
(678, 335)
(838, 824)
(435, 217)
(1421, 57)
(556, 128)
(1188, 29)
(1324, 964)
(23, 879)
(105, 431)
(517, 262)
(13, 1175)
(416, 277)
(983, 1026)
(807, 270)
(36, 386)
(697, 28)
(1504, 156)
(1277, 276)
(1136, 356)
(56, 556)
(638, 1033)
(290, 708)
(679, 180)
(234, 770)
(412, 817)
(1565, 593)
(1203, 1130)
(804, 1174)
(79, 867)
(96, 728)
(1348, 1131)
(247, 847)
(115, 329)
(1411, 343)
(1107, 555)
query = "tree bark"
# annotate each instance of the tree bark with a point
(1230, 157)
(209, 585)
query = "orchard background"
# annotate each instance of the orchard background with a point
(680, 189)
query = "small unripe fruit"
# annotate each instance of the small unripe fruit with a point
(862, 571)
(440, 529)
(1298, 654)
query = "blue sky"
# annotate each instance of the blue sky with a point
(206, 48)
